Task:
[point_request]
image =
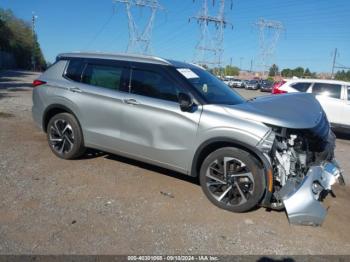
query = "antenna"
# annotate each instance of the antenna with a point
(209, 48)
(140, 40)
(269, 34)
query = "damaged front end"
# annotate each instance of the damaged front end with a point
(304, 170)
(303, 202)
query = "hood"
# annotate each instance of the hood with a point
(297, 110)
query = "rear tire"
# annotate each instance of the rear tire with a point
(232, 179)
(65, 137)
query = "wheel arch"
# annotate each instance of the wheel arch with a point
(53, 110)
(213, 144)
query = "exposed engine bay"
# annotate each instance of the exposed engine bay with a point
(304, 169)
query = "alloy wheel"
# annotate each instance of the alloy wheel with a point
(61, 136)
(229, 181)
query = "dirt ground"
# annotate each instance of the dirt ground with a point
(107, 204)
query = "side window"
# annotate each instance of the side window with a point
(324, 89)
(301, 87)
(153, 84)
(103, 76)
(348, 91)
(75, 69)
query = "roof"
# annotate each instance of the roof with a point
(310, 80)
(126, 57)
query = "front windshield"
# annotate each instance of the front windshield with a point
(213, 90)
(252, 81)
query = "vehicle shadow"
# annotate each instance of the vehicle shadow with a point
(14, 80)
(91, 153)
(8, 74)
(342, 135)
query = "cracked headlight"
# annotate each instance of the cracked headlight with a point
(266, 143)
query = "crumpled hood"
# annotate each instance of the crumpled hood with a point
(297, 110)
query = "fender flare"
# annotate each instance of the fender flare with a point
(56, 106)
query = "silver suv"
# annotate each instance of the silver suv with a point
(268, 151)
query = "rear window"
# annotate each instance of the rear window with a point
(75, 69)
(103, 76)
(301, 87)
(324, 89)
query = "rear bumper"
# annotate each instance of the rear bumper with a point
(303, 203)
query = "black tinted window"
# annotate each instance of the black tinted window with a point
(153, 84)
(348, 93)
(104, 76)
(301, 87)
(75, 69)
(330, 90)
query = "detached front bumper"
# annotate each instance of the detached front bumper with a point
(303, 203)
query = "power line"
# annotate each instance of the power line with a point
(109, 19)
(140, 40)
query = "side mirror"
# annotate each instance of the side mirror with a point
(185, 102)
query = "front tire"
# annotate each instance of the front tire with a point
(65, 137)
(232, 179)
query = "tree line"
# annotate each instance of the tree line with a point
(305, 73)
(343, 75)
(288, 72)
(16, 38)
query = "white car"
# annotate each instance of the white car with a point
(334, 96)
(237, 83)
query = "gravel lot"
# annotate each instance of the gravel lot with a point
(106, 204)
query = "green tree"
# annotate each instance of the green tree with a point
(273, 71)
(16, 37)
(307, 72)
(286, 72)
(342, 75)
(231, 70)
(298, 72)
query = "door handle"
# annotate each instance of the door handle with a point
(131, 101)
(75, 90)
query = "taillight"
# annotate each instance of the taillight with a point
(37, 82)
(276, 88)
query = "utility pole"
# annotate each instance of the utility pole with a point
(209, 48)
(269, 33)
(251, 65)
(34, 17)
(140, 40)
(240, 62)
(334, 61)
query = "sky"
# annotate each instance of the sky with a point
(313, 29)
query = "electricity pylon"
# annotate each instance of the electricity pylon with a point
(140, 39)
(269, 34)
(209, 48)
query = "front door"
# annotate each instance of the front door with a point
(154, 127)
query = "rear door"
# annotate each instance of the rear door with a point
(154, 127)
(99, 94)
(329, 96)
